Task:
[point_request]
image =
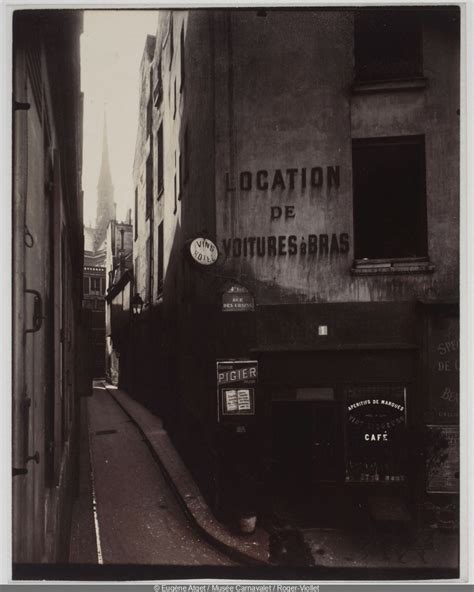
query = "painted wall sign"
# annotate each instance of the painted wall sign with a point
(237, 299)
(376, 428)
(444, 370)
(203, 251)
(444, 478)
(273, 246)
(236, 383)
(280, 179)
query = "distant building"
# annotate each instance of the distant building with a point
(119, 266)
(93, 303)
(92, 258)
(318, 150)
(94, 286)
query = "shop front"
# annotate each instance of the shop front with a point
(336, 417)
(338, 439)
(337, 425)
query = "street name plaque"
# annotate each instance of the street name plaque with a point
(237, 299)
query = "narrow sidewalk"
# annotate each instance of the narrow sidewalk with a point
(248, 549)
(127, 514)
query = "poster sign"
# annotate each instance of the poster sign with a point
(444, 476)
(203, 251)
(237, 299)
(236, 382)
(376, 429)
(444, 370)
(238, 402)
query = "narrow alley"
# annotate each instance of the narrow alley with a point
(236, 305)
(137, 519)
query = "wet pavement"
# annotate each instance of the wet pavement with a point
(137, 519)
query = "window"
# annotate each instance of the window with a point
(175, 195)
(136, 213)
(135, 275)
(376, 438)
(149, 185)
(389, 197)
(174, 99)
(160, 259)
(158, 88)
(86, 285)
(171, 40)
(149, 106)
(95, 285)
(179, 176)
(182, 58)
(387, 44)
(185, 171)
(159, 142)
(149, 275)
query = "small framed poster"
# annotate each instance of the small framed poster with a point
(236, 387)
(238, 401)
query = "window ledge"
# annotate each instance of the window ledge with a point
(391, 266)
(375, 86)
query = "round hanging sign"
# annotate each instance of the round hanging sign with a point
(203, 251)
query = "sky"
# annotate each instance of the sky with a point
(111, 50)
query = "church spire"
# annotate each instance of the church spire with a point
(105, 193)
(105, 177)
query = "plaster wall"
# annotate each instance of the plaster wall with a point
(285, 100)
(142, 150)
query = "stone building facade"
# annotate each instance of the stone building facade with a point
(319, 151)
(119, 266)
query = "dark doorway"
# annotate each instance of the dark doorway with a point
(306, 462)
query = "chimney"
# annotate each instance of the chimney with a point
(129, 215)
(115, 211)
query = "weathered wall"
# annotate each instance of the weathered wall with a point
(47, 258)
(286, 102)
(142, 150)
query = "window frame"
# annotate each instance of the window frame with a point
(160, 268)
(160, 181)
(171, 34)
(395, 263)
(136, 213)
(182, 58)
(148, 185)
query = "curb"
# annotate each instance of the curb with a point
(251, 550)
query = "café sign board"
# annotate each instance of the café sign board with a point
(236, 384)
(203, 251)
(376, 432)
